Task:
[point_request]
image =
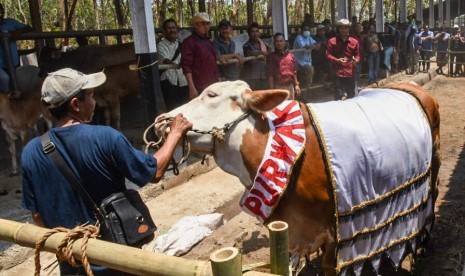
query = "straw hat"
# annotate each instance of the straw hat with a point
(200, 17)
(343, 22)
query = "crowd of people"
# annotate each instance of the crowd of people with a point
(334, 57)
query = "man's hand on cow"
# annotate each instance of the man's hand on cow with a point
(180, 125)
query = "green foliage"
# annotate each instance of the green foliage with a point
(89, 17)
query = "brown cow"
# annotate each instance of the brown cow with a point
(87, 59)
(21, 110)
(121, 82)
(19, 115)
(113, 59)
(309, 202)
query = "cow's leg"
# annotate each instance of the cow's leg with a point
(436, 163)
(328, 261)
(11, 140)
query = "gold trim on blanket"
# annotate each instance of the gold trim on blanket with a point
(388, 221)
(379, 251)
(328, 163)
(388, 194)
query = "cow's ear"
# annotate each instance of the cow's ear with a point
(263, 100)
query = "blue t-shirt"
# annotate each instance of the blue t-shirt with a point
(427, 44)
(100, 156)
(10, 24)
(443, 43)
(228, 71)
(303, 57)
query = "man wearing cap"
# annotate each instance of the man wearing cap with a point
(343, 53)
(455, 41)
(426, 48)
(307, 44)
(15, 28)
(412, 50)
(198, 56)
(100, 156)
(225, 50)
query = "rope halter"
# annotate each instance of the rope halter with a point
(164, 124)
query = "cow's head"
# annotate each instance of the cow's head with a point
(219, 104)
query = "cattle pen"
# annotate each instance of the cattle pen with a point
(446, 242)
(242, 241)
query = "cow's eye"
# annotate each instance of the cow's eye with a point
(212, 94)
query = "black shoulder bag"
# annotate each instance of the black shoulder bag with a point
(123, 216)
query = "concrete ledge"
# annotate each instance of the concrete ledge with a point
(155, 189)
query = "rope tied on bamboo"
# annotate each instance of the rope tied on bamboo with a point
(65, 248)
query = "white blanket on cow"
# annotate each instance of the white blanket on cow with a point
(379, 147)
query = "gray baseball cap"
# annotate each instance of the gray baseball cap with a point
(63, 84)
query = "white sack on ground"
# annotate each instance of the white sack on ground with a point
(186, 233)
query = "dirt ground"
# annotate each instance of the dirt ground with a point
(445, 254)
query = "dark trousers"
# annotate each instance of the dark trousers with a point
(344, 86)
(174, 95)
(454, 58)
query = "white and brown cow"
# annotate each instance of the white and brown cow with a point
(20, 113)
(307, 205)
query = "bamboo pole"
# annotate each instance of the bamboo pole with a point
(257, 273)
(116, 256)
(226, 262)
(279, 247)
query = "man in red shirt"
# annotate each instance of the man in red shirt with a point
(280, 68)
(343, 52)
(198, 56)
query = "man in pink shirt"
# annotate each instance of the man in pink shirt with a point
(343, 52)
(280, 68)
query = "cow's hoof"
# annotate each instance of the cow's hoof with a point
(3, 192)
(13, 174)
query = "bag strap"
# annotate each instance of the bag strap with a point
(177, 52)
(48, 147)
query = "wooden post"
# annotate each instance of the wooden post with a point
(440, 14)
(147, 59)
(311, 5)
(447, 22)
(342, 10)
(202, 6)
(250, 17)
(226, 262)
(124, 258)
(333, 12)
(279, 12)
(431, 14)
(279, 248)
(419, 10)
(379, 8)
(403, 11)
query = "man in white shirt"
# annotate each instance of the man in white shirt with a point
(173, 82)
